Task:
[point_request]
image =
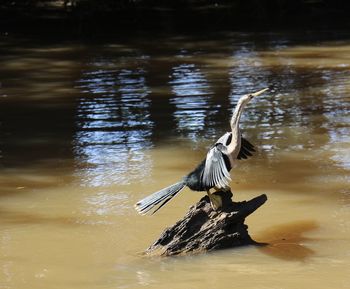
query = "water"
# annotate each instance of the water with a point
(87, 129)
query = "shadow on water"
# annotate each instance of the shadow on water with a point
(286, 241)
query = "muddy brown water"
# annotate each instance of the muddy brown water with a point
(87, 129)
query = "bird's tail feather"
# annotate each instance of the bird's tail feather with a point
(161, 197)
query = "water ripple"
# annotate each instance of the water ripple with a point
(192, 99)
(113, 127)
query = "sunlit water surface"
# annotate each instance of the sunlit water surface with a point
(87, 129)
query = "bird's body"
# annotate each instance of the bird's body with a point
(194, 180)
(213, 171)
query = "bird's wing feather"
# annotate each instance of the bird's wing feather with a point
(246, 149)
(215, 172)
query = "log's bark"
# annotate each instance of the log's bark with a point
(202, 229)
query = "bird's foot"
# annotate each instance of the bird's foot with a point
(215, 201)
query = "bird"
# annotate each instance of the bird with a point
(214, 171)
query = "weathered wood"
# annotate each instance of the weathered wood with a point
(203, 229)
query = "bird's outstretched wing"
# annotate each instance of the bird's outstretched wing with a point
(246, 149)
(215, 171)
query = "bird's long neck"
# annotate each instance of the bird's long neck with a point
(236, 118)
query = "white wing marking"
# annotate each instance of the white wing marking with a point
(215, 171)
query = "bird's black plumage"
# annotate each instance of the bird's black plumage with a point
(246, 149)
(194, 179)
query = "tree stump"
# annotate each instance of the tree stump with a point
(203, 229)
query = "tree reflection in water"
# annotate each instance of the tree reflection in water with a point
(192, 99)
(113, 127)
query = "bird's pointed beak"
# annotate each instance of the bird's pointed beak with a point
(259, 92)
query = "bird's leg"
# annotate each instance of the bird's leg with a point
(215, 200)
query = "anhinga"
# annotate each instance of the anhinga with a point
(213, 171)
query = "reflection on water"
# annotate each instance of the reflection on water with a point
(192, 94)
(115, 114)
(113, 126)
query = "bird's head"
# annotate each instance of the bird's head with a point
(240, 106)
(248, 97)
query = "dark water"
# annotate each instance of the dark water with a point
(86, 129)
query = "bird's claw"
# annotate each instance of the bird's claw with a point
(215, 201)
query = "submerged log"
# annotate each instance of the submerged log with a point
(203, 229)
